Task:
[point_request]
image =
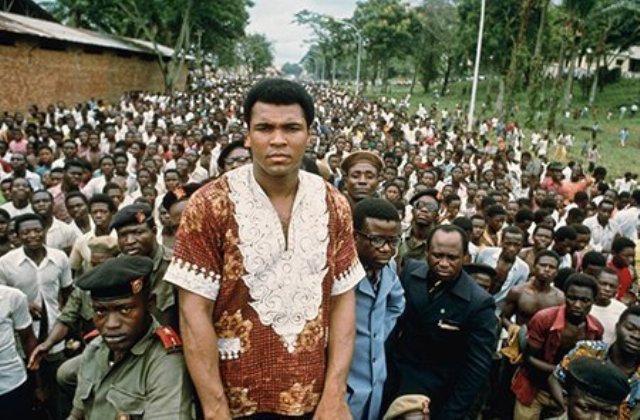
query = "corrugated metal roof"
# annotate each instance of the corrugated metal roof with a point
(18, 24)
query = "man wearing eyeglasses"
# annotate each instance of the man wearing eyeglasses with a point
(379, 303)
(425, 216)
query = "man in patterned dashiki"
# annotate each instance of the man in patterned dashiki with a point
(266, 266)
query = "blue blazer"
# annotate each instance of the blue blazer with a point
(376, 315)
(443, 345)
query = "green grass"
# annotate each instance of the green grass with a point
(616, 159)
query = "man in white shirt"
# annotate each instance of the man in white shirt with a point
(19, 165)
(603, 228)
(43, 274)
(628, 219)
(60, 235)
(15, 321)
(20, 197)
(606, 308)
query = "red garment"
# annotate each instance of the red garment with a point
(545, 333)
(624, 275)
(548, 184)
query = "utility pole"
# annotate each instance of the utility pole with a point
(359, 38)
(476, 69)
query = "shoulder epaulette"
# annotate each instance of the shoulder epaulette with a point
(90, 335)
(170, 339)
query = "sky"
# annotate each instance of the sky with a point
(274, 18)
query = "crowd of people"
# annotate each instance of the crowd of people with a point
(265, 250)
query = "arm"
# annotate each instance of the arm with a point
(201, 353)
(509, 309)
(475, 372)
(555, 389)
(342, 329)
(57, 334)
(169, 392)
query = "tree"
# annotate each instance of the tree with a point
(292, 69)
(256, 52)
(167, 22)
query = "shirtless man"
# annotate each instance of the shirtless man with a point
(542, 237)
(525, 299)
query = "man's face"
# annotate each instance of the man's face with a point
(31, 234)
(278, 137)
(376, 257)
(582, 406)
(171, 181)
(106, 167)
(496, 222)
(116, 195)
(604, 212)
(511, 246)
(20, 189)
(546, 269)
(479, 226)
(579, 300)
(182, 166)
(362, 180)
(629, 255)
(563, 247)
(42, 204)
(101, 215)
(607, 287)
(137, 239)
(121, 164)
(77, 208)
(392, 193)
(483, 280)
(542, 239)
(425, 211)
(121, 322)
(428, 179)
(45, 156)
(445, 255)
(69, 150)
(73, 176)
(628, 334)
(18, 162)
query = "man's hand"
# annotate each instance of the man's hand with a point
(219, 411)
(335, 408)
(35, 310)
(36, 356)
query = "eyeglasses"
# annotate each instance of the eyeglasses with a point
(239, 159)
(379, 241)
(424, 205)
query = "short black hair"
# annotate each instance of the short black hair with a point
(375, 208)
(594, 258)
(547, 253)
(73, 194)
(109, 157)
(631, 310)
(523, 215)
(538, 227)
(581, 229)
(105, 199)
(5, 215)
(449, 229)
(563, 233)
(40, 191)
(621, 243)
(515, 230)
(562, 276)
(27, 217)
(77, 163)
(111, 186)
(431, 192)
(279, 92)
(464, 223)
(451, 197)
(495, 210)
(582, 280)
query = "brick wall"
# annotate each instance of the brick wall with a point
(33, 75)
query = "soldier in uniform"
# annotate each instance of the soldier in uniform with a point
(135, 368)
(137, 235)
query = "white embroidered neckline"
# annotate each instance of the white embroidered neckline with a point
(285, 284)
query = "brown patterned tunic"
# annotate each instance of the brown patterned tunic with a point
(272, 302)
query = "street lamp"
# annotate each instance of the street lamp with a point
(359, 37)
(476, 68)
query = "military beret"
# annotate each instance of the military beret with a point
(406, 404)
(598, 378)
(132, 214)
(117, 278)
(481, 269)
(361, 156)
(555, 166)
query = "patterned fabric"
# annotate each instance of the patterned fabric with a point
(272, 296)
(600, 350)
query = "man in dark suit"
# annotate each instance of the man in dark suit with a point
(444, 341)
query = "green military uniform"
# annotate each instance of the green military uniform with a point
(78, 311)
(150, 382)
(165, 305)
(413, 248)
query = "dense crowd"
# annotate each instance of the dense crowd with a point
(410, 270)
